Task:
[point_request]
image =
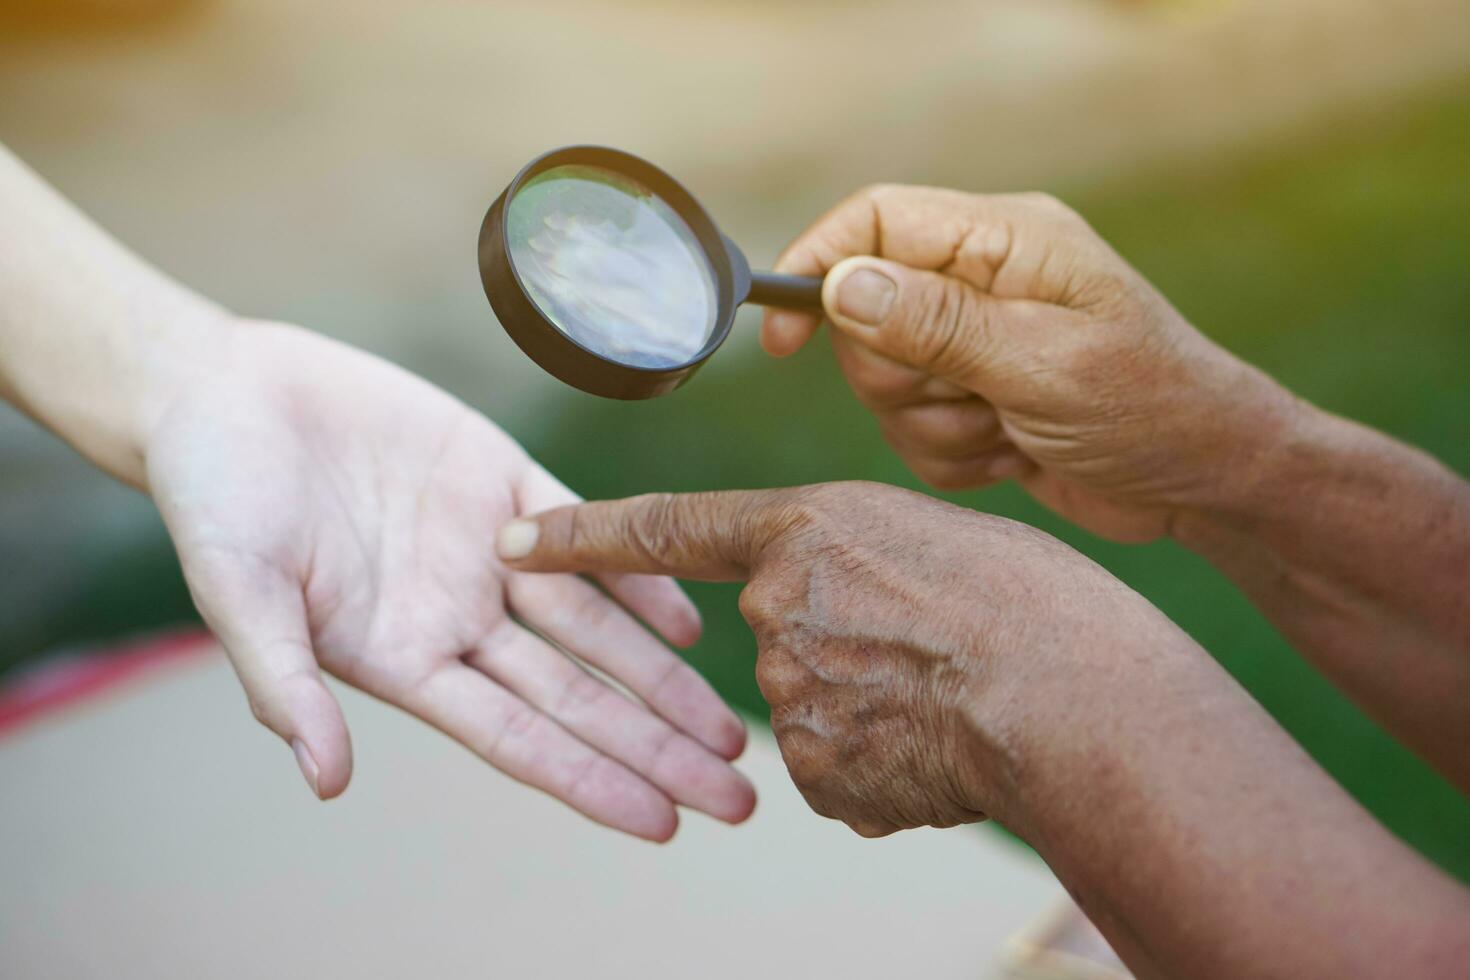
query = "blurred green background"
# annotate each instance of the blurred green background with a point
(1332, 250)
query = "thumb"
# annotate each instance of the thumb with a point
(259, 617)
(927, 320)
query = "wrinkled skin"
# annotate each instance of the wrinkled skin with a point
(1018, 344)
(334, 513)
(880, 687)
(896, 633)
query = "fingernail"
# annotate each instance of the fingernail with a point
(518, 539)
(866, 296)
(307, 763)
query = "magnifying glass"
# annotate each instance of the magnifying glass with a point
(613, 278)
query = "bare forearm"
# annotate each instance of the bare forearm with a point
(92, 339)
(1358, 548)
(1205, 843)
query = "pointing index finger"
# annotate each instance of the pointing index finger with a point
(713, 537)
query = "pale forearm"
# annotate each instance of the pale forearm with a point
(1358, 548)
(1205, 843)
(92, 340)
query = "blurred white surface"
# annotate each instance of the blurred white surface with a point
(159, 833)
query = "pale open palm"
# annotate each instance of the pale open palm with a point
(334, 512)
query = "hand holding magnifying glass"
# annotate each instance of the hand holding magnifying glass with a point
(613, 278)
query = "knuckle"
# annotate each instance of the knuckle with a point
(814, 530)
(862, 498)
(515, 727)
(826, 520)
(758, 606)
(818, 803)
(881, 190)
(572, 534)
(773, 677)
(869, 829)
(581, 691)
(801, 515)
(655, 530)
(807, 769)
(663, 749)
(810, 774)
(1056, 211)
(815, 503)
(674, 679)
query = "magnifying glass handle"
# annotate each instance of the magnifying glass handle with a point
(786, 292)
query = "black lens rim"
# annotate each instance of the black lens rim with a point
(559, 354)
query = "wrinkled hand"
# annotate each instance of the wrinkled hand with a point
(335, 513)
(908, 648)
(999, 337)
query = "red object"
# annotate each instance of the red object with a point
(63, 681)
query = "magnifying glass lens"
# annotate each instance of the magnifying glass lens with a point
(612, 265)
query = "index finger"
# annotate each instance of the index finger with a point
(658, 601)
(921, 227)
(713, 537)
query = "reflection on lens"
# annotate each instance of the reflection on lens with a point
(612, 266)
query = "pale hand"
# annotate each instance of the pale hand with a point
(335, 513)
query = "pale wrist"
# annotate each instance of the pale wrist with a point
(174, 354)
(93, 341)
